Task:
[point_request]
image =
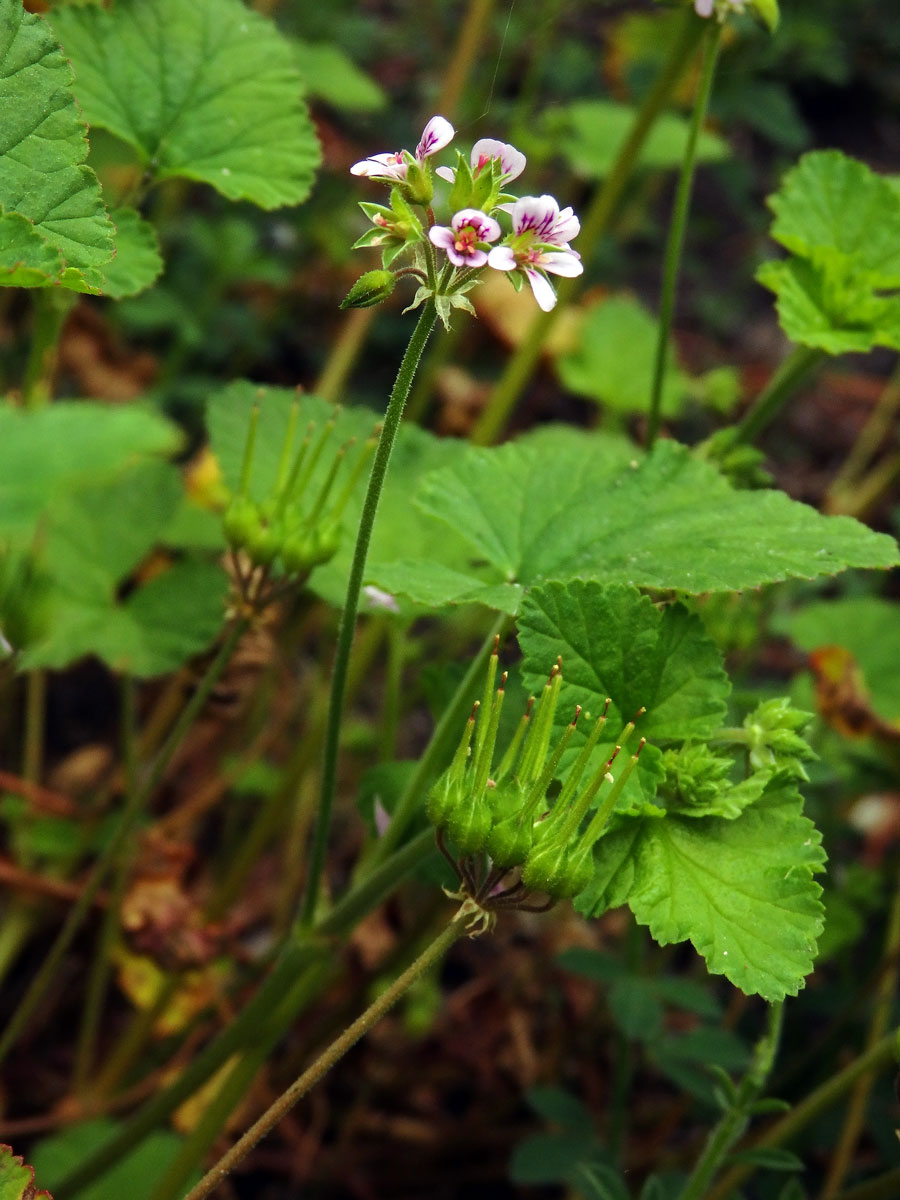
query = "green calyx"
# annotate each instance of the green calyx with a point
(297, 526)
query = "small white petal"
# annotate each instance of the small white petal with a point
(502, 259)
(447, 173)
(542, 288)
(703, 8)
(442, 236)
(561, 263)
(380, 599)
(437, 134)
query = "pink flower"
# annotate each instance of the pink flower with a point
(485, 150)
(394, 166)
(542, 215)
(539, 244)
(465, 237)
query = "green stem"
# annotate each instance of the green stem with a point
(51, 307)
(675, 243)
(792, 372)
(816, 1103)
(521, 365)
(338, 1048)
(347, 627)
(733, 1123)
(445, 735)
(854, 1122)
(111, 852)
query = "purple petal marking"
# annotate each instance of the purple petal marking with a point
(437, 134)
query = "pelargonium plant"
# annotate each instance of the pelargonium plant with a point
(448, 258)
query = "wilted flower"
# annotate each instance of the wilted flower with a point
(539, 244)
(466, 237)
(395, 166)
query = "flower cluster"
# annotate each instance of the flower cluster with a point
(535, 844)
(536, 245)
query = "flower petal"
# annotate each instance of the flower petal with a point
(542, 288)
(501, 258)
(537, 213)
(560, 262)
(381, 166)
(437, 134)
(442, 236)
(448, 173)
(486, 227)
(512, 161)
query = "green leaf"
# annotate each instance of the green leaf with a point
(331, 76)
(615, 643)
(561, 1108)
(612, 361)
(47, 453)
(43, 173)
(16, 1178)
(740, 891)
(136, 1175)
(208, 91)
(91, 545)
(829, 204)
(138, 262)
(840, 314)
(549, 1157)
(636, 1008)
(26, 259)
(561, 505)
(590, 133)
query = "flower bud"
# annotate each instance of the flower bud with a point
(370, 289)
(417, 186)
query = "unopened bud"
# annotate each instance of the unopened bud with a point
(370, 289)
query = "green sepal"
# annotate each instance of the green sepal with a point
(463, 186)
(240, 521)
(417, 187)
(469, 823)
(546, 868)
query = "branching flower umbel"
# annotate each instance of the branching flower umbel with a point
(536, 247)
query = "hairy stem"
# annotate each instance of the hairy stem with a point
(733, 1123)
(675, 243)
(403, 383)
(338, 1048)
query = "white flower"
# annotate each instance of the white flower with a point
(485, 150)
(539, 244)
(465, 237)
(394, 165)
